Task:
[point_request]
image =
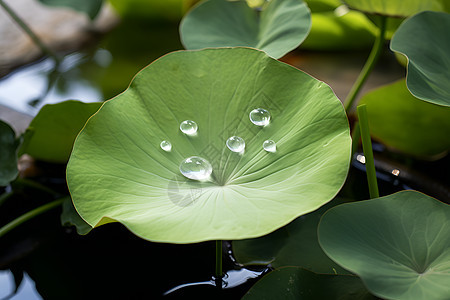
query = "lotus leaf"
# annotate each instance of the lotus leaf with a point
(424, 39)
(398, 244)
(297, 283)
(119, 172)
(394, 8)
(406, 123)
(51, 133)
(278, 29)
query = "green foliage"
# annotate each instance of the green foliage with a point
(149, 9)
(331, 31)
(297, 283)
(117, 157)
(8, 154)
(70, 217)
(424, 40)
(89, 7)
(52, 132)
(406, 123)
(398, 244)
(394, 8)
(295, 244)
(279, 28)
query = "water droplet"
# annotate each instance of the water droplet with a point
(196, 168)
(270, 146)
(236, 144)
(166, 146)
(395, 172)
(260, 117)
(188, 127)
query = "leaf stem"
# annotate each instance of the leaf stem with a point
(36, 185)
(356, 136)
(219, 272)
(368, 67)
(368, 153)
(28, 31)
(5, 196)
(29, 215)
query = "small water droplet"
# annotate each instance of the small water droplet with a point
(270, 146)
(196, 168)
(188, 127)
(236, 144)
(166, 146)
(260, 117)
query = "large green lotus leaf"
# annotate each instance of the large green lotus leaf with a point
(424, 39)
(331, 31)
(406, 123)
(118, 171)
(394, 8)
(90, 7)
(278, 29)
(398, 244)
(297, 283)
(52, 132)
(295, 244)
(8, 154)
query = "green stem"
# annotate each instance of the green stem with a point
(219, 272)
(368, 67)
(356, 135)
(5, 196)
(29, 215)
(36, 185)
(368, 153)
(28, 31)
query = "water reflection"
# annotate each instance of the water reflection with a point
(26, 291)
(29, 88)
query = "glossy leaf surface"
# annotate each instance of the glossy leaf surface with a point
(89, 7)
(118, 171)
(425, 41)
(295, 244)
(8, 154)
(52, 132)
(278, 29)
(398, 244)
(395, 8)
(406, 123)
(297, 283)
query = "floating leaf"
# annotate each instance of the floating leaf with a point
(52, 132)
(8, 154)
(297, 283)
(394, 8)
(293, 245)
(118, 170)
(70, 217)
(399, 244)
(278, 29)
(406, 123)
(90, 7)
(424, 40)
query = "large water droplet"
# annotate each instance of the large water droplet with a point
(166, 146)
(236, 144)
(270, 146)
(196, 168)
(188, 127)
(260, 117)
